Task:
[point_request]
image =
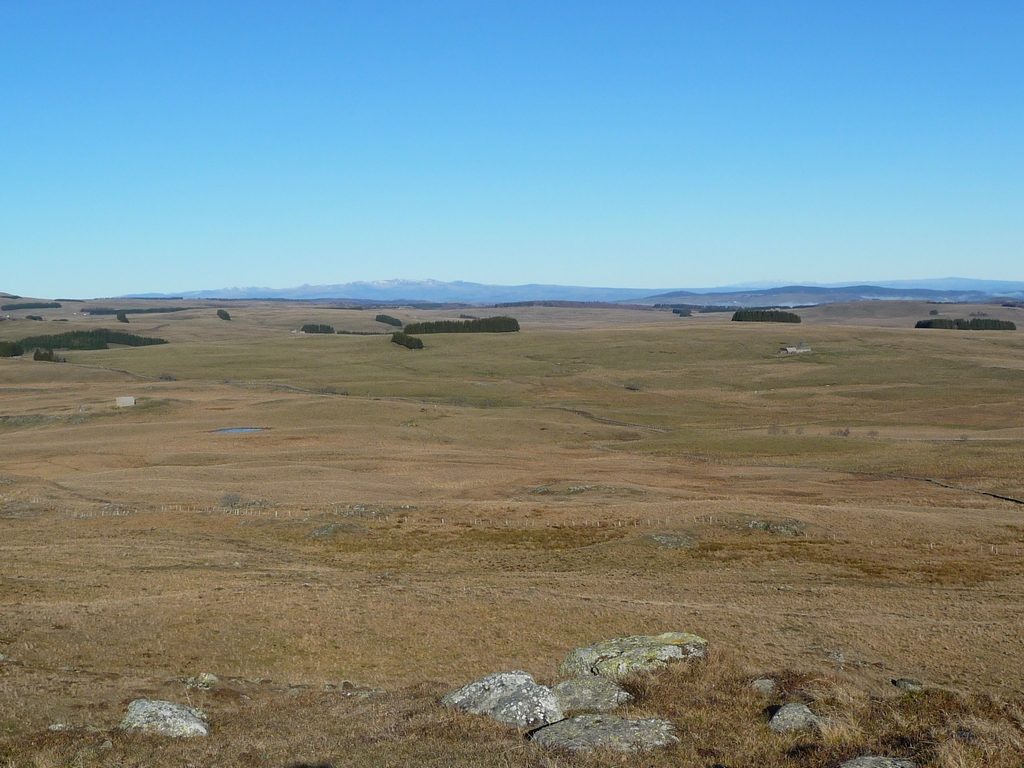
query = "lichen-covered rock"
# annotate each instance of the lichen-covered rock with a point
(793, 717)
(203, 681)
(586, 732)
(589, 694)
(164, 718)
(872, 761)
(628, 655)
(765, 686)
(508, 697)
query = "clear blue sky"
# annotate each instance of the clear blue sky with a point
(163, 146)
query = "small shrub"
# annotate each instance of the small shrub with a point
(223, 314)
(231, 500)
(317, 328)
(11, 349)
(405, 340)
(122, 317)
(389, 320)
(47, 356)
(33, 317)
(933, 312)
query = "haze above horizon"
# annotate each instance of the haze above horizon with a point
(175, 146)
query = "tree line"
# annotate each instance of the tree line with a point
(962, 324)
(132, 311)
(31, 305)
(765, 316)
(406, 340)
(100, 338)
(500, 324)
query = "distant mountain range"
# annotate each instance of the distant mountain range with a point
(949, 289)
(422, 290)
(796, 295)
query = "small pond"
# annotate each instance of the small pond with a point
(239, 430)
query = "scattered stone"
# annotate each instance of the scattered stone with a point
(672, 540)
(586, 732)
(165, 718)
(908, 684)
(203, 681)
(353, 691)
(628, 655)
(837, 657)
(2, 658)
(766, 686)
(331, 530)
(107, 744)
(793, 717)
(780, 527)
(508, 697)
(58, 727)
(589, 694)
(872, 761)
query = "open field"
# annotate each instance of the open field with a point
(411, 520)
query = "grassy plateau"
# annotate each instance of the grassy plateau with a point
(406, 521)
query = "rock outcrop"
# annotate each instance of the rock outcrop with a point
(794, 717)
(204, 681)
(872, 761)
(587, 732)
(513, 698)
(765, 686)
(589, 694)
(624, 656)
(164, 718)
(672, 540)
(778, 527)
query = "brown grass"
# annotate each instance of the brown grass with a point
(492, 502)
(718, 718)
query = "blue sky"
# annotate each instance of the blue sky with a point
(179, 145)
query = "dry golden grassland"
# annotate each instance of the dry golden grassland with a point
(410, 520)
